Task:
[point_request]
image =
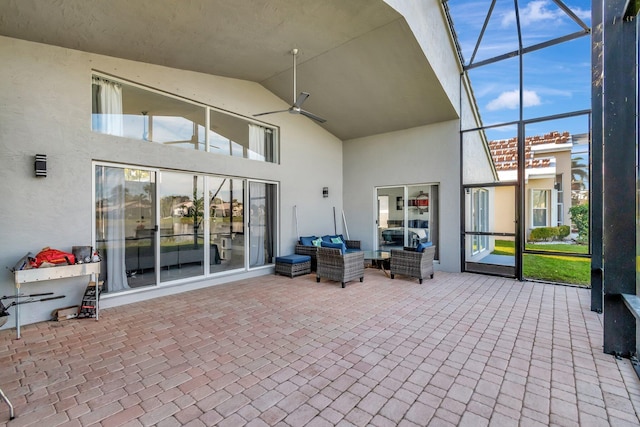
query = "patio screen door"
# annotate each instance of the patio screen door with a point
(490, 229)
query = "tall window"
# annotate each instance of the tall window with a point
(132, 111)
(560, 200)
(539, 204)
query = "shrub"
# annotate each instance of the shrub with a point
(563, 231)
(543, 233)
(580, 218)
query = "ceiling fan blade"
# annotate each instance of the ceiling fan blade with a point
(270, 112)
(301, 98)
(312, 116)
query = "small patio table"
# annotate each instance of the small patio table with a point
(378, 259)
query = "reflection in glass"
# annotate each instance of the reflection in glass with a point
(125, 222)
(226, 219)
(236, 137)
(407, 222)
(125, 110)
(262, 226)
(134, 112)
(181, 226)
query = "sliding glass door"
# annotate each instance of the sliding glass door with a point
(154, 227)
(407, 216)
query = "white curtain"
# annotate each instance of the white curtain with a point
(107, 107)
(257, 222)
(113, 192)
(257, 142)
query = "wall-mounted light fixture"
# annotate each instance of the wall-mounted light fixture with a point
(40, 166)
(325, 191)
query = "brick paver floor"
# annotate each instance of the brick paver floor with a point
(461, 349)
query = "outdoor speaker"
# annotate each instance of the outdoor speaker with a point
(325, 191)
(40, 165)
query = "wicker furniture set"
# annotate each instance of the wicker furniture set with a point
(305, 247)
(343, 262)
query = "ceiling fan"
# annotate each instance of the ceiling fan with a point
(297, 103)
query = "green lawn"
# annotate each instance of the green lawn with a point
(551, 267)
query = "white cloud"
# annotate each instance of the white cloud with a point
(511, 99)
(538, 11)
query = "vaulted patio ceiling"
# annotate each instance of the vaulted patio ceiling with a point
(359, 58)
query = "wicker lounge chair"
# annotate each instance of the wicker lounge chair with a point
(333, 265)
(412, 263)
(313, 250)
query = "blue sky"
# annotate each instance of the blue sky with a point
(556, 79)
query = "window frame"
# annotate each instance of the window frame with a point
(547, 194)
(272, 134)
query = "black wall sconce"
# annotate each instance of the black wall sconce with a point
(40, 166)
(325, 191)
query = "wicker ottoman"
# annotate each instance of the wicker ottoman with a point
(293, 265)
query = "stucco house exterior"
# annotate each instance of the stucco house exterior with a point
(145, 110)
(547, 178)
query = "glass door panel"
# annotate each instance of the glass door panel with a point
(407, 216)
(226, 219)
(262, 221)
(391, 213)
(125, 226)
(421, 215)
(181, 226)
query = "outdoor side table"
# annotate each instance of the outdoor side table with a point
(293, 265)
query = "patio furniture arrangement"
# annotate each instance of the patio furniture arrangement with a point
(308, 245)
(413, 262)
(341, 267)
(293, 265)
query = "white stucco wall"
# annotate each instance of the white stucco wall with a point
(45, 108)
(427, 154)
(429, 26)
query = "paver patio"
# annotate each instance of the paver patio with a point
(461, 349)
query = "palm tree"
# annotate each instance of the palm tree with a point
(579, 174)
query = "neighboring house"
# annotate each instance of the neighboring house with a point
(149, 128)
(548, 178)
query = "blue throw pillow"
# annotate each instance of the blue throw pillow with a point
(329, 237)
(307, 240)
(340, 246)
(422, 246)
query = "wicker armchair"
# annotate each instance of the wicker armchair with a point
(333, 265)
(413, 264)
(313, 250)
